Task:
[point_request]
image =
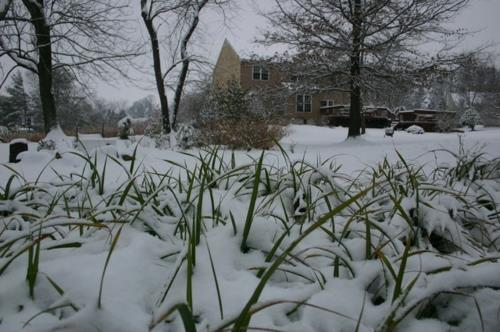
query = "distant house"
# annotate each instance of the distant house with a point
(302, 103)
(265, 77)
(430, 120)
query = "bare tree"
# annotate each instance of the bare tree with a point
(363, 43)
(476, 84)
(84, 36)
(182, 18)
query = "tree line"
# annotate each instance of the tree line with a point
(78, 109)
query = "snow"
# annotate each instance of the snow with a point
(143, 268)
(19, 140)
(3, 5)
(417, 130)
(124, 122)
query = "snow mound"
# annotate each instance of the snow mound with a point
(57, 140)
(416, 130)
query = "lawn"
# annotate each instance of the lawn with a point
(317, 234)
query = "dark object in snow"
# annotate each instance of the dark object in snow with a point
(124, 126)
(299, 204)
(15, 148)
(389, 131)
(442, 244)
(127, 157)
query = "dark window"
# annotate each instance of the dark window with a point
(260, 73)
(326, 103)
(304, 104)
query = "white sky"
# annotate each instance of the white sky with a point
(244, 24)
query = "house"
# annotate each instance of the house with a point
(430, 120)
(285, 96)
(374, 117)
(267, 80)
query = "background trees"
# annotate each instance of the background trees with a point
(42, 36)
(362, 44)
(14, 108)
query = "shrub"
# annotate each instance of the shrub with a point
(445, 123)
(232, 119)
(246, 133)
(124, 126)
(186, 136)
(470, 118)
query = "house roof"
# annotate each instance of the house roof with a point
(423, 110)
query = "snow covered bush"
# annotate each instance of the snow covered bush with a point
(187, 136)
(470, 118)
(124, 127)
(154, 131)
(417, 130)
(4, 130)
(184, 138)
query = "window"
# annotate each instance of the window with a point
(260, 73)
(303, 103)
(326, 103)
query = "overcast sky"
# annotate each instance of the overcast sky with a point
(244, 24)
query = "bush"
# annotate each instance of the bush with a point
(186, 136)
(445, 123)
(245, 133)
(231, 119)
(470, 118)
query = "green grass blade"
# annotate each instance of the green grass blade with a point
(111, 249)
(250, 214)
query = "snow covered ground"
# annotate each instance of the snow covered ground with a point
(311, 143)
(323, 236)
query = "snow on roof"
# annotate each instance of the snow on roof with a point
(424, 110)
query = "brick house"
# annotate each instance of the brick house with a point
(267, 82)
(263, 78)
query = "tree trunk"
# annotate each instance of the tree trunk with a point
(185, 64)
(363, 121)
(160, 83)
(355, 111)
(44, 65)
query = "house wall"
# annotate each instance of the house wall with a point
(228, 66)
(246, 76)
(314, 117)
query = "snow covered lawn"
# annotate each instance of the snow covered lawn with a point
(322, 234)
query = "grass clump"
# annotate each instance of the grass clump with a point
(386, 232)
